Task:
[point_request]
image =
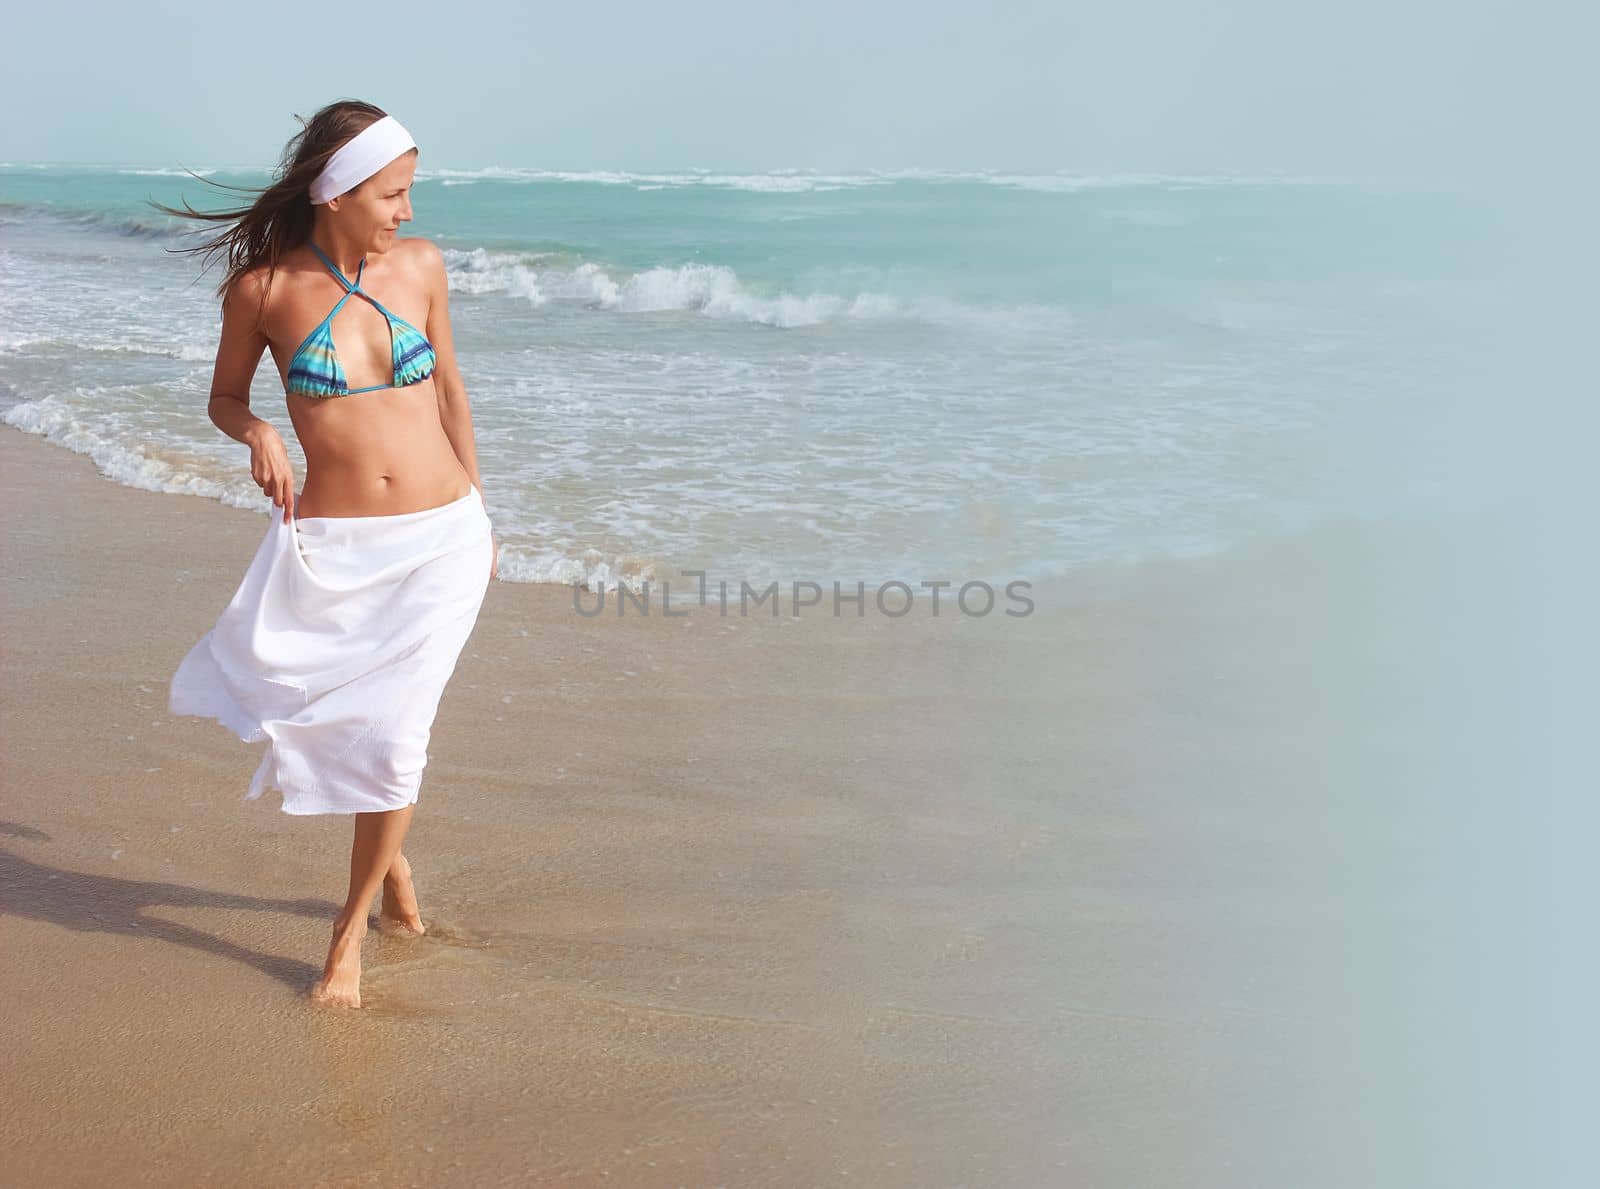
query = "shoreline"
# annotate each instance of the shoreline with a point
(1074, 583)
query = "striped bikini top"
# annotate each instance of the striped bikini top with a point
(314, 368)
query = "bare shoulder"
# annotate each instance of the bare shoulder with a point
(249, 286)
(425, 262)
(246, 296)
(425, 256)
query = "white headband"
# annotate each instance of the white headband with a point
(358, 158)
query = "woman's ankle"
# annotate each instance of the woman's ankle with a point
(350, 920)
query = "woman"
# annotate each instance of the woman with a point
(349, 622)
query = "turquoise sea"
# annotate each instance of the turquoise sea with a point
(803, 377)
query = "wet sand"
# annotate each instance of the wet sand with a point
(1130, 891)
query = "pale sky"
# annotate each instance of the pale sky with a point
(1147, 86)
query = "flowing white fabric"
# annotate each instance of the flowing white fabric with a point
(337, 647)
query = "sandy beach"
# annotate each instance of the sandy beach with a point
(1125, 892)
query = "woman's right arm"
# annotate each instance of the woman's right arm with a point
(238, 354)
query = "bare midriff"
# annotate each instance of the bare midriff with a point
(377, 453)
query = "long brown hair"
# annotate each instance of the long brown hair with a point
(281, 218)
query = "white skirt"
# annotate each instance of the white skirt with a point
(337, 647)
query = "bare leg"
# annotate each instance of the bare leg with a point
(399, 916)
(377, 841)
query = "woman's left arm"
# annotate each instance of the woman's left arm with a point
(455, 412)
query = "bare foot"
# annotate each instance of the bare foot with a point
(340, 984)
(399, 914)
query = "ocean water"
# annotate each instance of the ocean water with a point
(802, 377)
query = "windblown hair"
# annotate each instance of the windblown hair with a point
(281, 218)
